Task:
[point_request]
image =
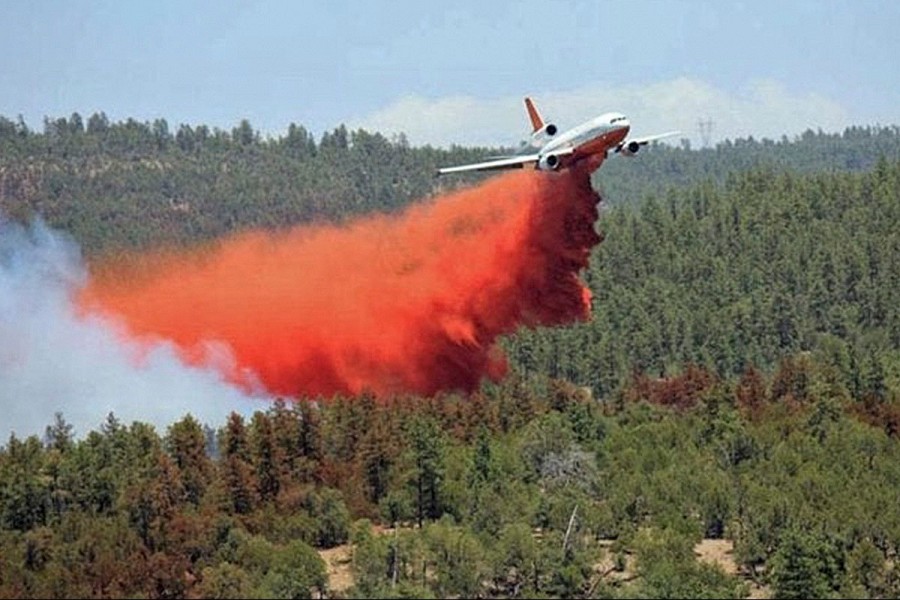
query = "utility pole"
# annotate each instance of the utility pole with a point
(705, 126)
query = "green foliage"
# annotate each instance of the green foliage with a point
(804, 566)
(187, 444)
(118, 185)
(667, 568)
(224, 580)
(740, 379)
(291, 570)
(296, 571)
(458, 559)
(331, 516)
(866, 569)
(123, 185)
(745, 273)
(24, 497)
(427, 457)
(512, 518)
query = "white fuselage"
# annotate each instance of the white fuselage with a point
(596, 136)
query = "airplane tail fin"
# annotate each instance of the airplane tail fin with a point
(537, 122)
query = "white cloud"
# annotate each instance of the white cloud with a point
(52, 359)
(762, 109)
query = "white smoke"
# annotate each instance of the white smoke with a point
(54, 360)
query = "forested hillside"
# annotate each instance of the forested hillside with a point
(131, 184)
(857, 148)
(728, 276)
(739, 380)
(127, 184)
(523, 490)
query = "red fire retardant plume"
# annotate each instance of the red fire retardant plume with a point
(405, 303)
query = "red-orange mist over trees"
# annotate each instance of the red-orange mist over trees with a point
(386, 303)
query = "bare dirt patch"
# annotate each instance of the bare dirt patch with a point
(717, 552)
(721, 553)
(337, 561)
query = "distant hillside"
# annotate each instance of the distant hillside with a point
(133, 184)
(724, 257)
(120, 185)
(741, 274)
(857, 149)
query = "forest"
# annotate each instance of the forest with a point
(739, 381)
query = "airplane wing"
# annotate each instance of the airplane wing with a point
(652, 138)
(634, 143)
(509, 162)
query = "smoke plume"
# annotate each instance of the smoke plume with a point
(406, 303)
(54, 360)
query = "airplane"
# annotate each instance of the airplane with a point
(591, 140)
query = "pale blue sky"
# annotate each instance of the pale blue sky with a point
(426, 67)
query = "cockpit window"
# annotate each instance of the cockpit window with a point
(617, 119)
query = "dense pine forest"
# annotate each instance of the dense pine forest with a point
(135, 184)
(739, 381)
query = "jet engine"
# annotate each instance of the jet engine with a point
(630, 149)
(540, 137)
(549, 162)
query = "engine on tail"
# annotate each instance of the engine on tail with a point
(540, 137)
(549, 162)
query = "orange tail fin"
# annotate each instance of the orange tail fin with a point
(536, 121)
